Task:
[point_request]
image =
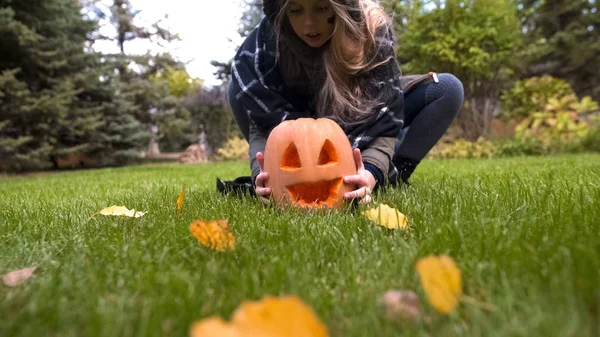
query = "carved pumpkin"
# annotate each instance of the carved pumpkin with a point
(306, 160)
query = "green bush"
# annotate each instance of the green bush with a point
(461, 148)
(561, 124)
(591, 142)
(531, 95)
(235, 148)
(524, 146)
(519, 146)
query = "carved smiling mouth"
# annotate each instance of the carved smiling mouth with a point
(315, 194)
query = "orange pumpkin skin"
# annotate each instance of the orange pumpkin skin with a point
(307, 160)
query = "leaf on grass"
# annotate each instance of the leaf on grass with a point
(121, 211)
(387, 216)
(214, 326)
(271, 317)
(214, 234)
(17, 277)
(180, 199)
(441, 280)
(287, 316)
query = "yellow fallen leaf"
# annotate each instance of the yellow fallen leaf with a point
(387, 216)
(271, 317)
(214, 234)
(440, 278)
(17, 277)
(214, 326)
(287, 316)
(180, 198)
(121, 211)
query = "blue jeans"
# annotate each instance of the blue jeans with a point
(429, 109)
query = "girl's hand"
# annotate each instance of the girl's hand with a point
(264, 193)
(363, 179)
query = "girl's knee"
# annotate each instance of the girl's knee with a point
(453, 87)
(451, 81)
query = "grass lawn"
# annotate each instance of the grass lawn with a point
(525, 232)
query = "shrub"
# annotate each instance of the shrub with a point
(235, 148)
(461, 148)
(531, 95)
(523, 146)
(591, 142)
(562, 122)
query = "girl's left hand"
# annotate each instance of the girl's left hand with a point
(363, 179)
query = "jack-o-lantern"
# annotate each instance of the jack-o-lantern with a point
(307, 160)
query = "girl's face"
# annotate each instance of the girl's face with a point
(311, 20)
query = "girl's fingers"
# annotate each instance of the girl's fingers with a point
(260, 189)
(263, 191)
(355, 179)
(261, 179)
(358, 160)
(359, 193)
(260, 157)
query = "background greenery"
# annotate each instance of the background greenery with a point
(64, 104)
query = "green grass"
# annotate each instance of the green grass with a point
(525, 232)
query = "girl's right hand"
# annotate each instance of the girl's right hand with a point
(263, 192)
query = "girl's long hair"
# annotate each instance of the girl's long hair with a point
(352, 52)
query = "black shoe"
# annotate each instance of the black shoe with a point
(238, 187)
(405, 167)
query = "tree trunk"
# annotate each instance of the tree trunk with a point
(153, 149)
(475, 119)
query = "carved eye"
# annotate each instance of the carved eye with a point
(328, 154)
(291, 159)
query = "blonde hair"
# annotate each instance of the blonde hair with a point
(352, 51)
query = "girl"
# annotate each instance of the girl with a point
(336, 59)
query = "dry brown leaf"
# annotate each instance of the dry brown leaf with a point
(387, 216)
(402, 305)
(214, 234)
(17, 277)
(121, 211)
(271, 317)
(442, 282)
(180, 199)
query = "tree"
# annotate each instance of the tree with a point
(475, 40)
(224, 71)
(175, 132)
(564, 41)
(122, 136)
(155, 104)
(122, 17)
(210, 114)
(179, 82)
(43, 72)
(250, 18)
